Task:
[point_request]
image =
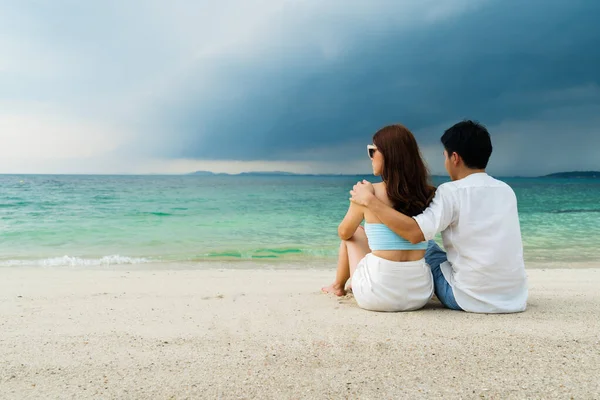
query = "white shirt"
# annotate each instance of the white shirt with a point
(480, 229)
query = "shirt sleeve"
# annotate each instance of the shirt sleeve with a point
(439, 215)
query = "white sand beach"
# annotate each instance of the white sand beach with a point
(246, 333)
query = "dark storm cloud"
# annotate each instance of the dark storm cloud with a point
(505, 61)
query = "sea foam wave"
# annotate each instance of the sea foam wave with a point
(576, 211)
(68, 261)
(271, 253)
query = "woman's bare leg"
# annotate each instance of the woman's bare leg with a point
(351, 252)
(358, 248)
(342, 273)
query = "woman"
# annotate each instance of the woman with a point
(388, 272)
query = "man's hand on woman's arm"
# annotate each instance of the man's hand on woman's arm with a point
(402, 225)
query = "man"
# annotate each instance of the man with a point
(483, 270)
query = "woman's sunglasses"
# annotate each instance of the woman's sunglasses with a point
(371, 149)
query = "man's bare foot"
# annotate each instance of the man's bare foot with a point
(335, 289)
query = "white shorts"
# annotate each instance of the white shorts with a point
(382, 285)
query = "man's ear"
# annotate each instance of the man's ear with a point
(456, 159)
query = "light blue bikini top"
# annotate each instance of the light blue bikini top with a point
(382, 238)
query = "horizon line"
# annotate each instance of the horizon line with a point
(271, 173)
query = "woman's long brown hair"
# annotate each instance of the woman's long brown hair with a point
(404, 171)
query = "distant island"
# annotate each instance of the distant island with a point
(574, 174)
(564, 175)
(205, 173)
(266, 173)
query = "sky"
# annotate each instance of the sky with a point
(147, 86)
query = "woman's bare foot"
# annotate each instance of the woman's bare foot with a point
(335, 289)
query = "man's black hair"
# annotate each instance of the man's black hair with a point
(471, 141)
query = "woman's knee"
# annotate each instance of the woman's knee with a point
(359, 236)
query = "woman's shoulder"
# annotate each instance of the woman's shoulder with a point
(380, 189)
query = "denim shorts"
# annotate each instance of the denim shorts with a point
(434, 256)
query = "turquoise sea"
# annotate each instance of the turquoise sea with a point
(79, 220)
